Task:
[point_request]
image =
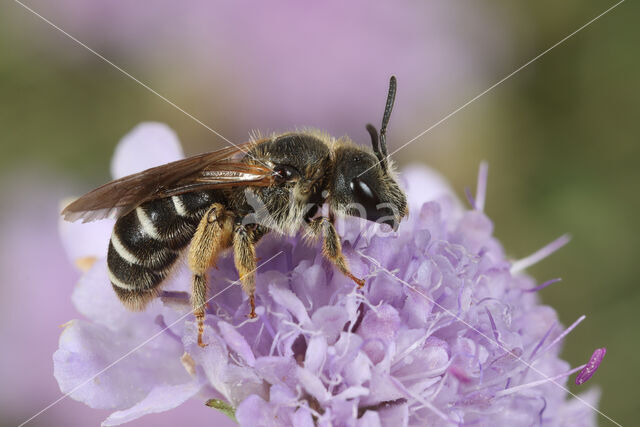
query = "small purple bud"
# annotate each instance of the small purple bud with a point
(592, 366)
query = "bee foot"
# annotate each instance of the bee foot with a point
(201, 343)
(252, 302)
(359, 282)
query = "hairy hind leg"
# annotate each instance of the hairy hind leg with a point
(244, 254)
(212, 235)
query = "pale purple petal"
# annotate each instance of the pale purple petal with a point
(94, 298)
(396, 415)
(379, 329)
(344, 351)
(237, 342)
(381, 386)
(85, 241)
(316, 353)
(254, 411)
(473, 231)
(352, 393)
(423, 185)
(282, 395)
(277, 370)
(312, 384)
(125, 376)
(357, 371)
(291, 302)
(160, 399)
(230, 380)
(330, 321)
(302, 418)
(370, 419)
(147, 145)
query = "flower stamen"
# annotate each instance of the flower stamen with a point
(518, 388)
(540, 254)
(592, 366)
(542, 286)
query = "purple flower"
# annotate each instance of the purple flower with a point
(334, 58)
(34, 298)
(36, 279)
(445, 330)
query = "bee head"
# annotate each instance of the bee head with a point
(363, 182)
(363, 187)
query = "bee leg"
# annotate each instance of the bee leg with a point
(331, 247)
(244, 255)
(212, 235)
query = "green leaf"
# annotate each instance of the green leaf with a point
(223, 407)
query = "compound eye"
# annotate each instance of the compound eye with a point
(364, 195)
(285, 173)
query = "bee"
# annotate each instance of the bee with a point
(231, 198)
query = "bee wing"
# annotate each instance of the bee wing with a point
(201, 172)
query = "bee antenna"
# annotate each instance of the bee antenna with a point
(373, 133)
(391, 97)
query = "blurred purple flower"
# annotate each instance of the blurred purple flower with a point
(261, 61)
(443, 332)
(36, 278)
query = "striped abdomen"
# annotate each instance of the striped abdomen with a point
(146, 243)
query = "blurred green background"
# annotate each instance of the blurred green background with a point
(562, 138)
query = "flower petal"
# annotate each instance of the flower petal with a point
(379, 329)
(395, 415)
(229, 379)
(85, 241)
(160, 399)
(291, 302)
(277, 370)
(370, 419)
(147, 145)
(237, 342)
(94, 297)
(423, 185)
(330, 320)
(116, 369)
(312, 384)
(254, 411)
(316, 354)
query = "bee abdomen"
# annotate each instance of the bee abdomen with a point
(133, 276)
(144, 245)
(133, 280)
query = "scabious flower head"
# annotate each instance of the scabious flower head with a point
(445, 331)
